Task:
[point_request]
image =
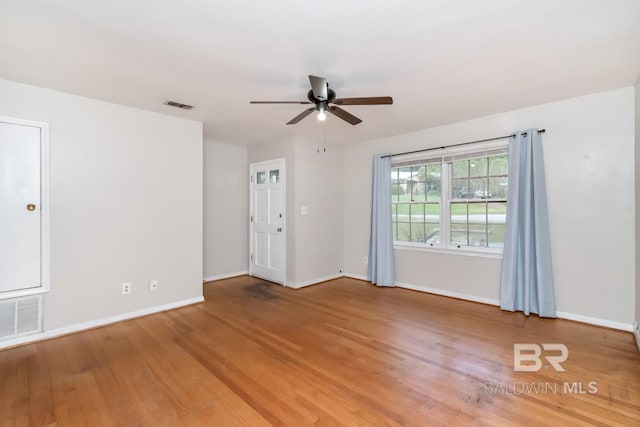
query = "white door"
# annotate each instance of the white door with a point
(21, 152)
(267, 222)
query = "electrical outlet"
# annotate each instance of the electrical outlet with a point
(126, 288)
(153, 285)
(365, 260)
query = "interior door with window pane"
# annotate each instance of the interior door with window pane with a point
(267, 225)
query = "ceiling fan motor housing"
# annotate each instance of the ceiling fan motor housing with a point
(322, 105)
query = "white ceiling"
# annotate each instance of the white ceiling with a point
(442, 61)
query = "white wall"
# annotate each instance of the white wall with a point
(226, 209)
(126, 204)
(637, 199)
(319, 234)
(590, 178)
(315, 180)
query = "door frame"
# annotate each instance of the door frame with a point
(283, 179)
(44, 209)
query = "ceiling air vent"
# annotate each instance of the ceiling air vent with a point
(178, 105)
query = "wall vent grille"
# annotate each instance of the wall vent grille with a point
(20, 316)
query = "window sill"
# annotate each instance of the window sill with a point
(23, 293)
(405, 246)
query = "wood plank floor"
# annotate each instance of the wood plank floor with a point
(339, 353)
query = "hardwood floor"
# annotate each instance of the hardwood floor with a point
(339, 353)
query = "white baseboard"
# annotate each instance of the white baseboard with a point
(313, 281)
(225, 276)
(66, 330)
(441, 292)
(356, 276)
(434, 291)
(595, 321)
(491, 301)
(636, 333)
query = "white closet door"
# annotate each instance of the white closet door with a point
(20, 208)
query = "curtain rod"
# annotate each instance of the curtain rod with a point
(455, 145)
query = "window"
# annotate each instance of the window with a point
(454, 201)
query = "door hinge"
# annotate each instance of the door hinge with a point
(251, 257)
(251, 218)
(251, 178)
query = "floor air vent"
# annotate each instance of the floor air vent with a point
(20, 316)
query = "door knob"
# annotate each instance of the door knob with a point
(279, 229)
(31, 207)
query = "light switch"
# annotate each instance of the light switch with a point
(304, 210)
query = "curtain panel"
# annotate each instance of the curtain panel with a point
(381, 268)
(527, 276)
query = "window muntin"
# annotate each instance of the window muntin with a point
(468, 212)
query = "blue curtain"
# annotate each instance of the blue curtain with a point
(381, 269)
(527, 279)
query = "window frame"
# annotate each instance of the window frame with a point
(446, 157)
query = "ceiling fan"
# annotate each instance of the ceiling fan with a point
(322, 97)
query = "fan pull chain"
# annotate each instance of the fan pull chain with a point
(324, 128)
(318, 139)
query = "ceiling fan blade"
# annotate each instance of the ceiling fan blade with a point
(372, 100)
(319, 87)
(301, 116)
(344, 115)
(279, 102)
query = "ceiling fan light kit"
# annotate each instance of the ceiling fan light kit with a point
(322, 96)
